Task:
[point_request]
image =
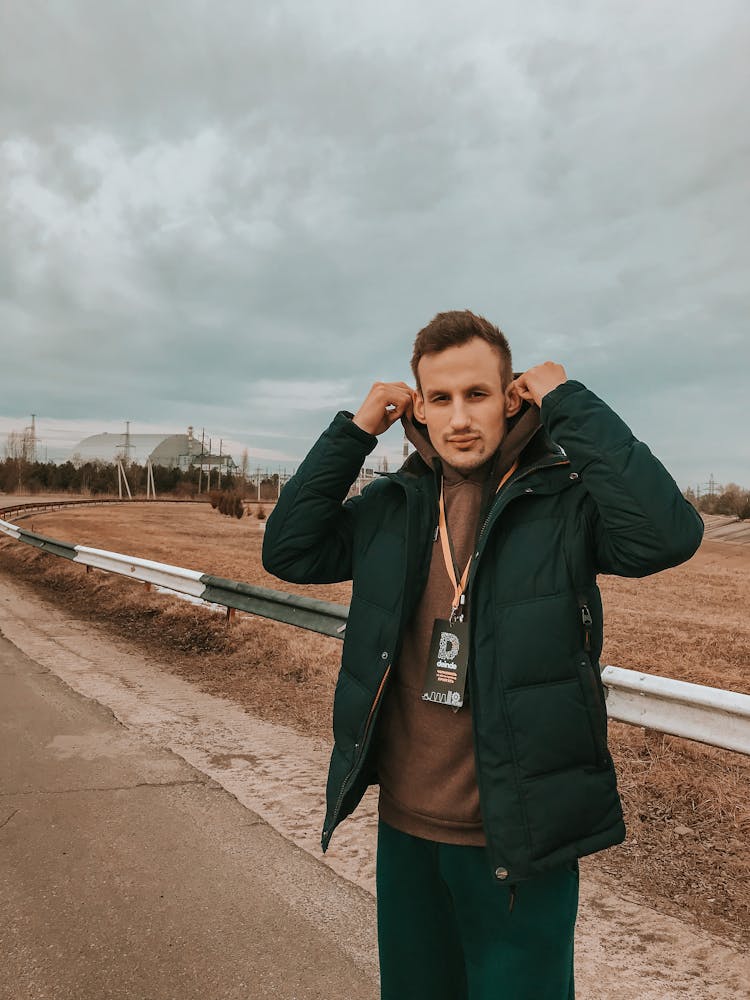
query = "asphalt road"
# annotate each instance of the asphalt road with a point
(126, 873)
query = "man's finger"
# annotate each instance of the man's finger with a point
(522, 387)
(399, 406)
(398, 395)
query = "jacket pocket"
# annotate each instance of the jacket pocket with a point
(596, 710)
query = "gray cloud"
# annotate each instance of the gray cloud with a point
(211, 212)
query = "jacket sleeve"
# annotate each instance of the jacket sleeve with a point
(640, 521)
(309, 534)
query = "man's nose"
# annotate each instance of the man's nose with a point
(459, 416)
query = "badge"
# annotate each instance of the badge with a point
(447, 663)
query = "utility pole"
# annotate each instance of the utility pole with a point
(28, 442)
(128, 444)
(200, 467)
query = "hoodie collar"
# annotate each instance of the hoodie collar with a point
(525, 440)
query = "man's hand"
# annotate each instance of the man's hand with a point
(535, 383)
(384, 405)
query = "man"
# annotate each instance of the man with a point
(469, 688)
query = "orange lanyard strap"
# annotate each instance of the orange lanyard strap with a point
(450, 565)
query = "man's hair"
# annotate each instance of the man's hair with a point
(451, 329)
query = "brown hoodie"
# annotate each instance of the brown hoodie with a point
(425, 751)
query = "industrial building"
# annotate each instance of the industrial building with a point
(181, 451)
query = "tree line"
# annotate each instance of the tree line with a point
(19, 475)
(732, 501)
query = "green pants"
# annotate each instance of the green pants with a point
(446, 931)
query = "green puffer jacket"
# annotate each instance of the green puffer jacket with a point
(604, 504)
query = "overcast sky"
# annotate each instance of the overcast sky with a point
(238, 215)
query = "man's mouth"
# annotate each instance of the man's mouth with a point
(464, 439)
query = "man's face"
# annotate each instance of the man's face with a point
(463, 402)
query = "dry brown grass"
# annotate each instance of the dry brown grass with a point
(688, 820)
(686, 805)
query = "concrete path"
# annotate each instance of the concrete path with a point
(126, 873)
(222, 895)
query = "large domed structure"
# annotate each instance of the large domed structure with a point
(170, 450)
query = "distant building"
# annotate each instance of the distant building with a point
(179, 451)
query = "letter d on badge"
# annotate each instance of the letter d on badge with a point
(449, 646)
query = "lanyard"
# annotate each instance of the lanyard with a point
(459, 585)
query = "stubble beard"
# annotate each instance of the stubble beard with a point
(469, 461)
(466, 461)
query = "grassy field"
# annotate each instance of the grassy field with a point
(686, 805)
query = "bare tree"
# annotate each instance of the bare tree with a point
(734, 500)
(20, 447)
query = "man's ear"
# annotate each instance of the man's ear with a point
(418, 406)
(512, 400)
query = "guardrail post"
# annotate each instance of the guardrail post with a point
(230, 615)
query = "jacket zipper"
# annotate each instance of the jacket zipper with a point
(493, 506)
(346, 783)
(587, 621)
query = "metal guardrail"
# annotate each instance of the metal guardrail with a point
(694, 711)
(20, 511)
(704, 714)
(304, 612)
